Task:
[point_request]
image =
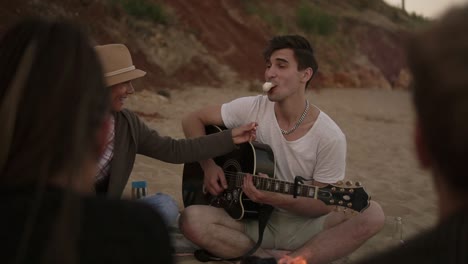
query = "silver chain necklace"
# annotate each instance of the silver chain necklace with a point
(298, 123)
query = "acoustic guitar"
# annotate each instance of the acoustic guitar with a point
(254, 157)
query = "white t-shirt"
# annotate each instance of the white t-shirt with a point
(320, 154)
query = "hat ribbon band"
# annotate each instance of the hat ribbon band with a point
(112, 73)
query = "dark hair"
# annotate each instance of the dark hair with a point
(63, 102)
(438, 59)
(61, 105)
(303, 52)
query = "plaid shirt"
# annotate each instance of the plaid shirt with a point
(104, 162)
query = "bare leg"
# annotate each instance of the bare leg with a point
(214, 230)
(341, 235)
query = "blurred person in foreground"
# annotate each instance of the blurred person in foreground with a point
(129, 136)
(438, 60)
(54, 111)
(305, 142)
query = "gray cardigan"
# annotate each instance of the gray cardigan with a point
(133, 137)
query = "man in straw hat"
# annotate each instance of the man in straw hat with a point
(130, 136)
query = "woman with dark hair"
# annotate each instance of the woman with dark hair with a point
(54, 111)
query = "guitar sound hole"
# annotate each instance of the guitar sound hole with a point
(235, 193)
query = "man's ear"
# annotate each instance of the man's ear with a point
(102, 135)
(307, 74)
(421, 147)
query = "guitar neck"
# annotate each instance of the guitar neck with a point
(255, 156)
(235, 180)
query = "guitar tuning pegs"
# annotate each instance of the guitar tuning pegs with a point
(349, 205)
(349, 183)
(340, 202)
(351, 190)
(332, 201)
(358, 184)
(339, 183)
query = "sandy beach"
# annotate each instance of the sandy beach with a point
(378, 125)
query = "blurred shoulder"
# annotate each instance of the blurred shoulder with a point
(133, 230)
(128, 210)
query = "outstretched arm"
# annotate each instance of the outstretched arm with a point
(244, 133)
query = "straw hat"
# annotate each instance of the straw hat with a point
(117, 64)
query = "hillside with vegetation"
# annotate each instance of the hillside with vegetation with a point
(358, 44)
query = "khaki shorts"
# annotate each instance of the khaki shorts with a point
(285, 231)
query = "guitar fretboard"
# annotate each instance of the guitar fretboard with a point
(235, 180)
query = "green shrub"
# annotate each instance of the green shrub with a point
(364, 4)
(275, 21)
(253, 7)
(143, 9)
(314, 20)
(418, 18)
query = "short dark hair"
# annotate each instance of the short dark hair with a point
(303, 52)
(438, 59)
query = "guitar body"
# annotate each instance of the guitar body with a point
(252, 157)
(257, 158)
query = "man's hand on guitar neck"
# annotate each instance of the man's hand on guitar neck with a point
(214, 180)
(299, 205)
(258, 196)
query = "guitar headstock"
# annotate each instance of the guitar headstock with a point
(347, 195)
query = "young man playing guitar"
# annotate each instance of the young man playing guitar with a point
(305, 142)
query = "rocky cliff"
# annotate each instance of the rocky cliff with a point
(358, 44)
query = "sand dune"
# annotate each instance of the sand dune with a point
(377, 123)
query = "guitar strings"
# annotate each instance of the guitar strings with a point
(304, 190)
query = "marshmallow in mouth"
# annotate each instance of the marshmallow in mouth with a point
(267, 86)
